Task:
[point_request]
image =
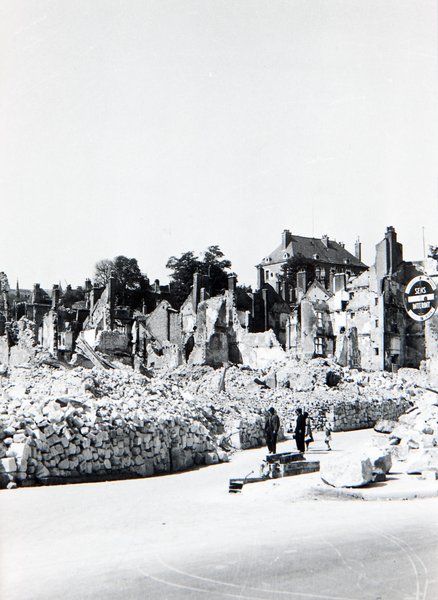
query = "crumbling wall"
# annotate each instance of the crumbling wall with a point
(211, 336)
(258, 350)
(164, 323)
(111, 341)
(24, 350)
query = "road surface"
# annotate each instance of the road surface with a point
(184, 536)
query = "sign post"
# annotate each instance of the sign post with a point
(421, 298)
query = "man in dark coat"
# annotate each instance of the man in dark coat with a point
(300, 430)
(271, 430)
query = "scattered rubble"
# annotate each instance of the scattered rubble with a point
(75, 423)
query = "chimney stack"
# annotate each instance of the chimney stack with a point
(55, 296)
(286, 238)
(196, 289)
(358, 249)
(301, 284)
(232, 280)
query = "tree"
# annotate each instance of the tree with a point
(102, 271)
(131, 283)
(296, 264)
(212, 264)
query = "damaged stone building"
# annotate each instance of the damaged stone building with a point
(327, 257)
(340, 309)
(362, 320)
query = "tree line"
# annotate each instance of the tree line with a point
(132, 284)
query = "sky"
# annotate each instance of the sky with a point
(149, 128)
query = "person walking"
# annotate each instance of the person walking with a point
(308, 437)
(271, 430)
(328, 434)
(300, 429)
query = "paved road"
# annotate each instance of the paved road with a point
(184, 536)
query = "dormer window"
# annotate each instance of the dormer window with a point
(286, 255)
(267, 259)
(347, 261)
(316, 256)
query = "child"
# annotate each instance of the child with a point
(328, 434)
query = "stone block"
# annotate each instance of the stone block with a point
(385, 426)
(211, 458)
(8, 465)
(381, 460)
(426, 460)
(350, 470)
(73, 463)
(41, 471)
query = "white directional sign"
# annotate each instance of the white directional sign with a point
(421, 298)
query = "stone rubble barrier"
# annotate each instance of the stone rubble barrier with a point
(78, 424)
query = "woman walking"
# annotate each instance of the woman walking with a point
(308, 437)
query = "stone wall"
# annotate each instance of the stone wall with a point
(365, 414)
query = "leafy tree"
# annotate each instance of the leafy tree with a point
(131, 283)
(294, 265)
(211, 263)
(102, 271)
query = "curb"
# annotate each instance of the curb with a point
(367, 495)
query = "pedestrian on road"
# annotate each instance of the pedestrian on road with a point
(328, 434)
(308, 438)
(272, 426)
(300, 429)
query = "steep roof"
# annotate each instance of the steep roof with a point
(313, 248)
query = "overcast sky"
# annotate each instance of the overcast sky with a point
(148, 128)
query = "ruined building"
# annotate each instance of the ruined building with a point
(326, 257)
(362, 320)
(346, 311)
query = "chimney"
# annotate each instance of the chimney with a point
(260, 276)
(339, 282)
(232, 280)
(88, 285)
(36, 293)
(331, 278)
(55, 296)
(325, 240)
(196, 289)
(112, 299)
(93, 295)
(358, 249)
(301, 284)
(265, 308)
(286, 238)
(285, 291)
(394, 250)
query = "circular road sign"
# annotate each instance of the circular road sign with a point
(421, 298)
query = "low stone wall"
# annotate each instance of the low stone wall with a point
(71, 444)
(365, 413)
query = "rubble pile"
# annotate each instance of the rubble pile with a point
(414, 438)
(60, 423)
(357, 401)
